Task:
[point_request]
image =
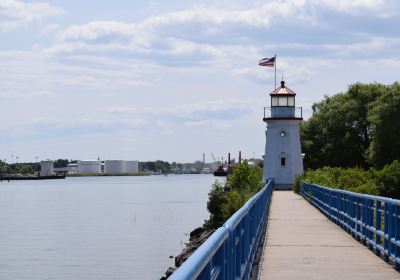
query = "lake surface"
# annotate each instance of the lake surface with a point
(98, 227)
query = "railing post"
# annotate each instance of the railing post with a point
(206, 274)
(370, 225)
(365, 220)
(378, 225)
(391, 233)
(386, 231)
(397, 236)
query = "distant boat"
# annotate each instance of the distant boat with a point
(20, 177)
(221, 172)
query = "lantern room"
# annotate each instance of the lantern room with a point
(283, 104)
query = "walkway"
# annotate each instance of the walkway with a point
(303, 244)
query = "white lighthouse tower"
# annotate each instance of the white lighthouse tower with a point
(283, 159)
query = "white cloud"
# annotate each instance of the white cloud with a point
(297, 70)
(50, 29)
(14, 13)
(96, 29)
(209, 124)
(265, 15)
(368, 47)
(190, 109)
(56, 124)
(168, 39)
(258, 17)
(351, 6)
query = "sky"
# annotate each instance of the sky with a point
(171, 80)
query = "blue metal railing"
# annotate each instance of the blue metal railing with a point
(373, 220)
(229, 252)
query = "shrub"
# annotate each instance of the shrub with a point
(368, 188)
(246, 179)
(352, 179)
(216, 198)
(234, 202)
(388, 180)
(223, 201)
(296, 184)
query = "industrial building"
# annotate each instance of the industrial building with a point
(113, 166)
(89, 167)
(93, 167)
(121, 166)
(131, 166)
(46, 167)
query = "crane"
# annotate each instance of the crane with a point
(215, 160)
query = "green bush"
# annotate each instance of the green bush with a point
(385, 182)
(224, 200)
(235, 200)
(216, 198)
(388, 180)
(368, 188)
(246, 179)
(296, 184)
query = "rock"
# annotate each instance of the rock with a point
(197, 237)
(168, 273)
(196, 232)
(192, 246)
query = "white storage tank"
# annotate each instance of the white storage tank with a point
(89, 167)
(114, 166)
(131, 166)
(72, 168)
(46, 167)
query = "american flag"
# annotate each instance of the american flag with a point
(269, 62)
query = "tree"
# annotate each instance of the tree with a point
(385, 119)
(388, 180)
(223, 201)
(61, 163)
(339, 133)
(246, 179)
(216, 199)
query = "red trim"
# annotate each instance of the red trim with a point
(282, 94)
(282, 118)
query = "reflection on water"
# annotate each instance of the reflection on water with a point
(98, 227)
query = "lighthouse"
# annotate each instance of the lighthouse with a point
(283, 159)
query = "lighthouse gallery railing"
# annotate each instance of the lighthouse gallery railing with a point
(229, 252)
(373, 220)
(283, 111)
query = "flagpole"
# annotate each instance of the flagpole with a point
(275, 70)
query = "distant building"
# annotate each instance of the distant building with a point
(121, 166)
(114, 167)
(69, 169)
(131, 166)
(72, 168)
(89, 166)
(46, 167)
(93, 167)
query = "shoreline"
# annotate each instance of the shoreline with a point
(197, 237)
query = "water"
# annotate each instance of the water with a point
(98, 227)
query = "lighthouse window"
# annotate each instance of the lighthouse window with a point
(283, 101)
(274, 101)
(283, 161)
(291, 101)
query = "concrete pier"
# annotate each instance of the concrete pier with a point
(301, 243)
